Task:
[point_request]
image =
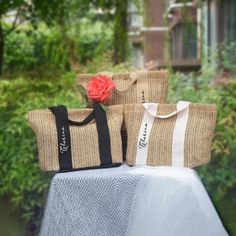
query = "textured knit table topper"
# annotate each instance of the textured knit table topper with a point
(130, 201)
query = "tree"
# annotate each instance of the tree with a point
(32, 11)
(120, 32)
(120, 39)
(60, 13)
(69, 11)
(6, 6)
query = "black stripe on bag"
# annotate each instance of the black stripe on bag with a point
(103, 135)
(63, 136)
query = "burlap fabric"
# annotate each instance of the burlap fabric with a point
(197, 140)
(84, 139)
(135, 87)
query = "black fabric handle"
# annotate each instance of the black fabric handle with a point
(63, 137)
(103, 135)
(87, 120)
(63, 133)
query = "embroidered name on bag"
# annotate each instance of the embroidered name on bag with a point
(63, 143)
(144, 135)
(143, 140)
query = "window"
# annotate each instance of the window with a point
(137, 57)
(229, 20)
(134, 16)
(135, 20)
(184, 42)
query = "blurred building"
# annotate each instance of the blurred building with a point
(180, 33)
(219, 22)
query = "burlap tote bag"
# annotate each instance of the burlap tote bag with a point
(168, 134)
(135, 87)
(77, 138)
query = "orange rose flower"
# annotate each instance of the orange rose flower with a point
(99, 88)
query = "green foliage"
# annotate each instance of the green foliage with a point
(19, 52)
(21, 178)
(191, 86)
(27, 50)
(228, 54)
(94, 40)
(34, 10)
(197, 88)
(104, 62)
(223, 178)
(218, 176)
(9, 5)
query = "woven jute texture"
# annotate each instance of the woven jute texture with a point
(151, 86)
(84, 139)
(198, 135)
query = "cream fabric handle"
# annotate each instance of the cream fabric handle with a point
(181, 106)
(139, 76)
(178, 139)
(133, 77)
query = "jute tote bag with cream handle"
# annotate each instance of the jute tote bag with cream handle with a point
(135, 87)
(169, 134)
(78, 138)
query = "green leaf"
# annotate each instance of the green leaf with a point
(104, 107)
(82, 90)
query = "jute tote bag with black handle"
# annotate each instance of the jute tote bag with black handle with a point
(78, 138)
(168, 134)
(135, 87)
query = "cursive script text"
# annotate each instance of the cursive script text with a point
(63, 144)
(143, 141)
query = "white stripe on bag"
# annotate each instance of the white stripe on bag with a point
(144, 135)
(179, 134)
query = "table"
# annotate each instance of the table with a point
(130, 201)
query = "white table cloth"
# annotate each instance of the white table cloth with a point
(130, 201)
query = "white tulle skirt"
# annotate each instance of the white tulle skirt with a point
(172, 202)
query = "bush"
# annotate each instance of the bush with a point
(95, 39)
(228, 56)
(19, 52)
(21, 178)
(196, 88)
(27, 49)
(219, 176)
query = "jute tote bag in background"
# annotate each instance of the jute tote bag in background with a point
(135, 87)
(168, 134)
(78, 138)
